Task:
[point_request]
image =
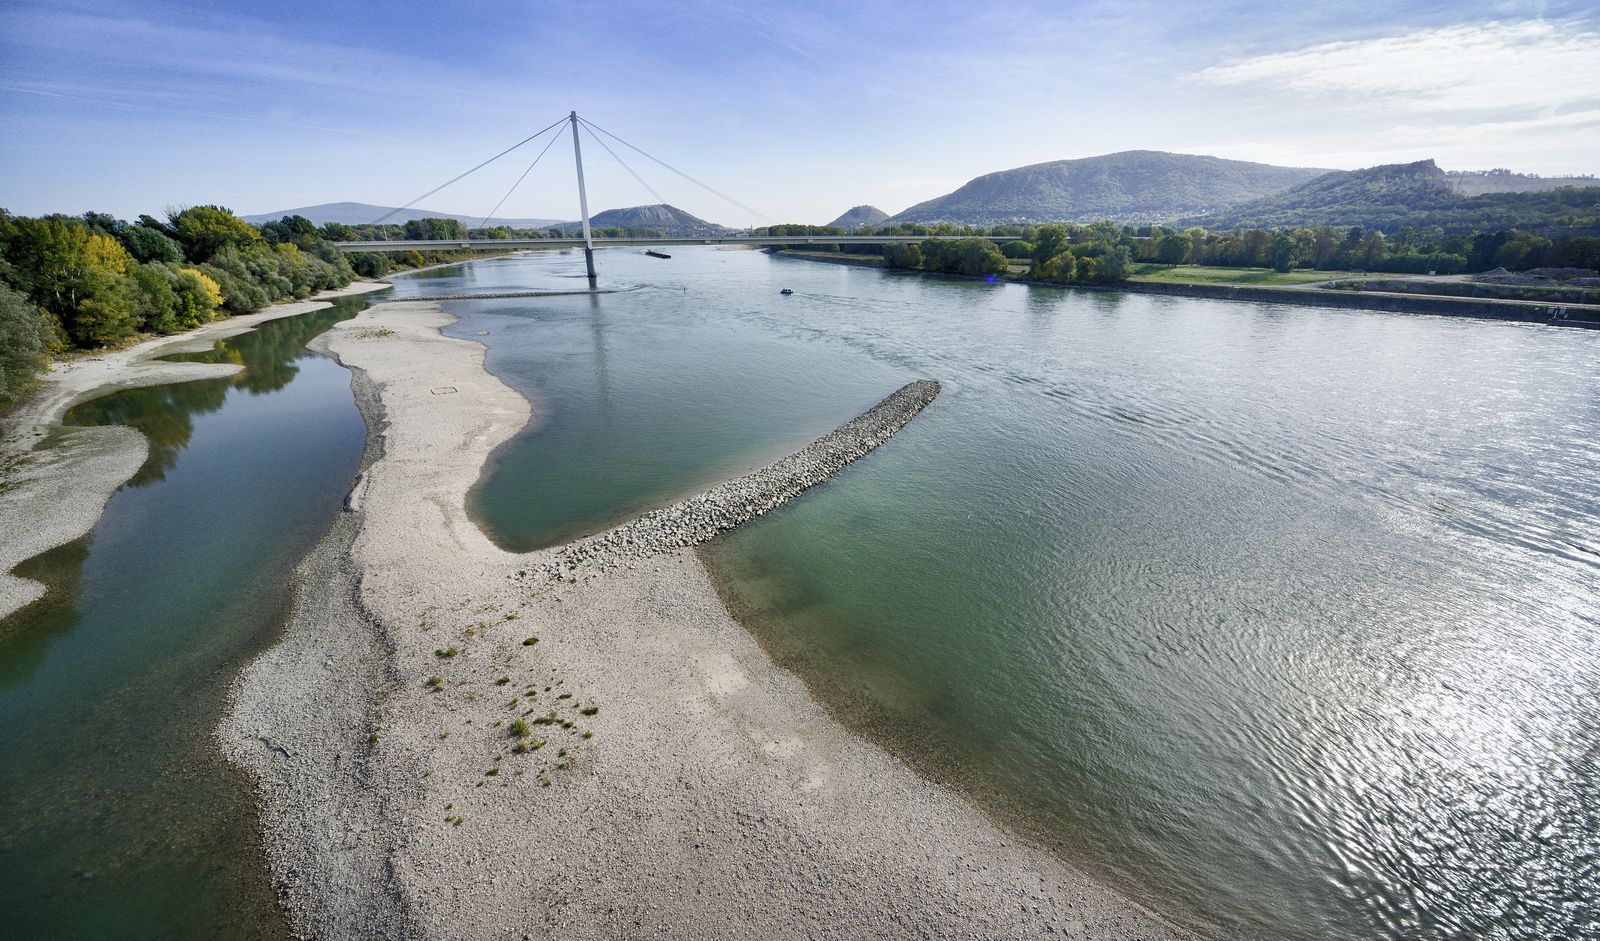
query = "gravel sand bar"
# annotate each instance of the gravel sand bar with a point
(453, 741)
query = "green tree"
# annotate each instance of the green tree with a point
(1285, 253)
(1048, 241)
(902, 255)
(1173, 249)
(146, 244)
(1063, 268)
(203, 231)
(26, 335)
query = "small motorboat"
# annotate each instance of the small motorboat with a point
(655, 254)
(787, 291)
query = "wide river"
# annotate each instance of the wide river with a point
(1282, 619)
(118, 816)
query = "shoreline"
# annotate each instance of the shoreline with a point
(58, 478)
(1511, 311)
(427, 768)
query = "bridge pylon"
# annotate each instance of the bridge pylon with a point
(583, 203)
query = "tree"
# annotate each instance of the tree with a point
(433, 229)
(294, 229)
(1048, 241)
(198, 297)
(1114, 264)
(203, 231)
(902, 255)
(146, 244)
(1285, 254)
(1063, 267)
(1173, 249)
(26, 335)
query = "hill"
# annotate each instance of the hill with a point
(858, 216)
(362, 213)
(668, 219)
(1479, 182)
(1135, 186)
(1419, 195)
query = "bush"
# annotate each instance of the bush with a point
(26, 335)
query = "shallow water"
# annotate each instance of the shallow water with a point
(1282, 619)
(118, 817)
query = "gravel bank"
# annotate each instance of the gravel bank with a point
(693, 521)
(55, 480)
(458, 752)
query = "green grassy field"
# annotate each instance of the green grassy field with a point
(1202, 274)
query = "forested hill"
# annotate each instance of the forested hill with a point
(858, 216)
(669, 220)
(1419, 195)
(1132, 187)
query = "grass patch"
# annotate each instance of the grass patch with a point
(445, 653)
(530, 641)
(1208, 274)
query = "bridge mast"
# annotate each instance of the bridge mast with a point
(583, 202)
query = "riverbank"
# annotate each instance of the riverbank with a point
(443, 749)
(1554, 314)
(57, 479)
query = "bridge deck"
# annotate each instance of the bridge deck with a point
(435, 245)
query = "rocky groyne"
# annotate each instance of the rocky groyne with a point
(693, 521)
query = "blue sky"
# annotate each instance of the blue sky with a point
(799, 110)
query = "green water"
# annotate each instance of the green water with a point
(1282, 619)
(118, 817)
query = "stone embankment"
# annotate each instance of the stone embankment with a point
(737, 501)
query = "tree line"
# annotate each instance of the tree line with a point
(1097, 250)
(90, 281)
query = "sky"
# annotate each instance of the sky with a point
(796, 110)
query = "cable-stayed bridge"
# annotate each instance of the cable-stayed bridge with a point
(423, 245)
(588, 242)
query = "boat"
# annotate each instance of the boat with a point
(655, 254)
(787, 291)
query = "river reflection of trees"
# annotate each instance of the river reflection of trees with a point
(270, 356)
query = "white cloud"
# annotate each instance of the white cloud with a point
(1535, 64)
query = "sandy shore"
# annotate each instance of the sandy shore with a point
(57, 479)
(642, 769)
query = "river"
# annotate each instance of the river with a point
(119, 818)
(1282, 619)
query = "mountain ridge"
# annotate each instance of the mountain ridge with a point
(1131, 186)
(1417, 194)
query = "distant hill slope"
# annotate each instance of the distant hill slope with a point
(362, 213)
(1135, 186)
(669, 219)
(859, 216)
(1477, 183)
(1411, 194)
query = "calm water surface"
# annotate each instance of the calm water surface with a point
(118, 818)
(1282, 619)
